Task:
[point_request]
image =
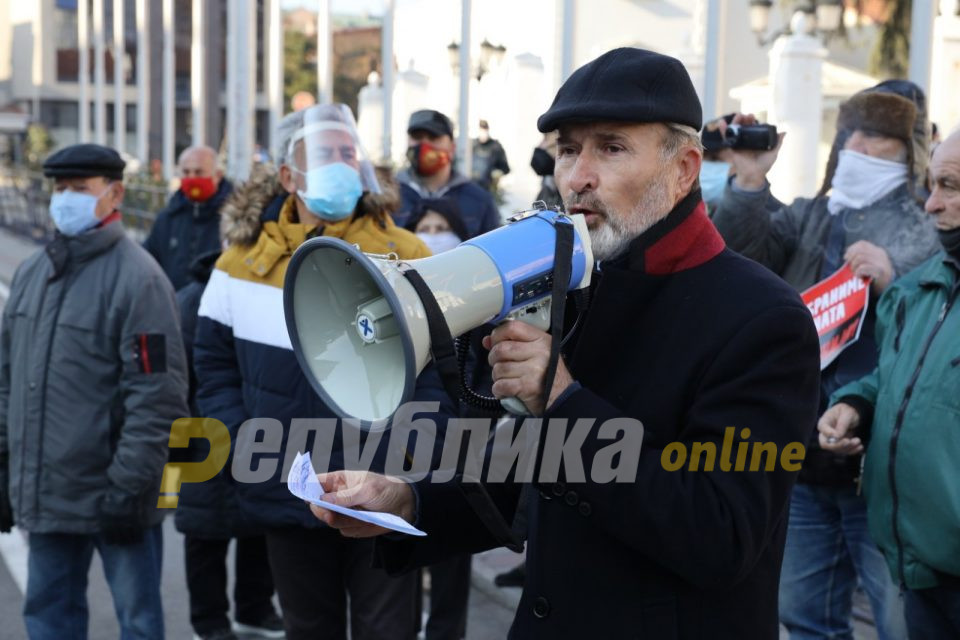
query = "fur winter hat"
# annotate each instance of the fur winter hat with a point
(877, 112)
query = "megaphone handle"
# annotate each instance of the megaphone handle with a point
(515, 406)
(551, 313)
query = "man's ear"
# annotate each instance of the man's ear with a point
(287, 181)
(689, 160)
(118, 192)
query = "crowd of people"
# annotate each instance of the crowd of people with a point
(693, 324)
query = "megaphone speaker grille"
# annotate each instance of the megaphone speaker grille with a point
(327, 281)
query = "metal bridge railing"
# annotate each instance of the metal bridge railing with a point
(25, 201)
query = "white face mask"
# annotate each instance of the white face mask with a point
(439, 242)
(861, 180)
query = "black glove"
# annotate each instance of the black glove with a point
(6, 511)
(120, 521)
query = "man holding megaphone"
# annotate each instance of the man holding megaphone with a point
(682, 335)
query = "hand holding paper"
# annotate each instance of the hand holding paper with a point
(369, 491)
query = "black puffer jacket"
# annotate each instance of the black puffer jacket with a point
(205, 509)
(184, 231)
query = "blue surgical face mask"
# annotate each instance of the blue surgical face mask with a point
(73, 212)
(332, 192)
(713, 179)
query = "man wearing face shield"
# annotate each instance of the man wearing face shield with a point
(867, 214)
(246, 367)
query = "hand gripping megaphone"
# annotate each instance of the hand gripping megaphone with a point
(364, 326)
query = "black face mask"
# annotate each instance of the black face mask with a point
(542, 162)
(950, 239)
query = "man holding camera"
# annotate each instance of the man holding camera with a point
(681, 334)
(866, 214)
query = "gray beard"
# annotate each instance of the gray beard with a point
(613, 235)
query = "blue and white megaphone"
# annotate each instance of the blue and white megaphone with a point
(360, 329)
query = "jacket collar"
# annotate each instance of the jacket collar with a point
(940, 273)
(409, 178)
(683, 240)
(180, 203)
(279, 238)
(85, 246)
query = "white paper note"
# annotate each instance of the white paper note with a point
(302, 482)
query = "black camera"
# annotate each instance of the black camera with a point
(754, 137)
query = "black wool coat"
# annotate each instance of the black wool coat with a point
(689, 338)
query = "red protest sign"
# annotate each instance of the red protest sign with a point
(838, 305)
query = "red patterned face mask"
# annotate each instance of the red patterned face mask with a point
(426, 159)
(198, 189)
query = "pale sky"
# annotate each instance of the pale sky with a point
(356, 7)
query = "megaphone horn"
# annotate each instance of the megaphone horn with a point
(361, 330)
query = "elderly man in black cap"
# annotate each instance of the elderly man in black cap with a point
(431, 174)
(92, 375)
(682, 335)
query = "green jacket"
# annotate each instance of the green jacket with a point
(911, 406)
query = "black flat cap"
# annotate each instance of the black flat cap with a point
(84, 161)
(432, 121)
(626, 85)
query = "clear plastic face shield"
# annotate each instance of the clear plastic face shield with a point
(329, 165)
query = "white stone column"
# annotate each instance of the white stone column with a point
(99, 76)
(567, 38)
(324, 53)
(274, 71)
(119, 80)
(387, 74)
(944, 92)
(198, 72)
(464, 157)
(169, 90)
(143, 83)
(712, 57)
(83, 70)
(241, 85)
(796, 63)
(921, 39)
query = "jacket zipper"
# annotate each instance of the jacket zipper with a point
(67, 281)
(901, 319)
(895, 435)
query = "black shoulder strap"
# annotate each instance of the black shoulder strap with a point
(562, 270)
(441, 342)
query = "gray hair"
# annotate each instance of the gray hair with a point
(677, 137)
(289, 125)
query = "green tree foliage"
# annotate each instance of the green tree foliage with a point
(299, 65)
(37, 144)
(891, 55)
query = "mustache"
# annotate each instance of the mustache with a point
(586, 200)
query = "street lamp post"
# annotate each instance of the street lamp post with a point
(462, 65)
(823, 17)
(796, 95)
